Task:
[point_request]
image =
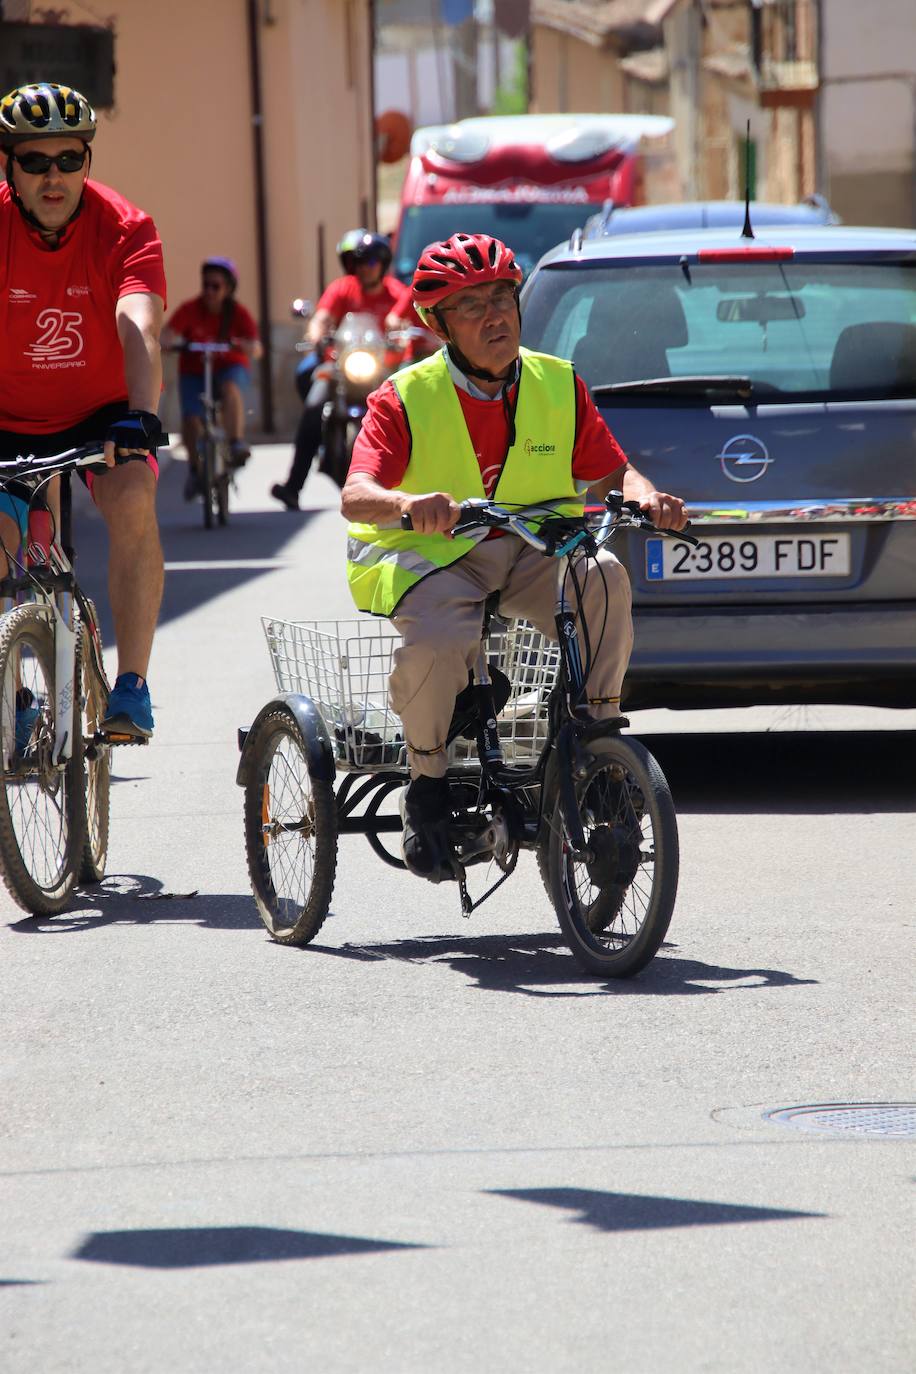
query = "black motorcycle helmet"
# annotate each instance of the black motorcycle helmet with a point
(359, 245)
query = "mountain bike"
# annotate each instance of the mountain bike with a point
(215, 469)
(528, 768)
(56, 760)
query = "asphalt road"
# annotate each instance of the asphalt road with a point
(428, 1143)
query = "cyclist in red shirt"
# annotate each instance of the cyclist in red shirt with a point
(215, 316)
(364, 289)
(82, 291)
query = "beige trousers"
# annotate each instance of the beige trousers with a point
(440, 619)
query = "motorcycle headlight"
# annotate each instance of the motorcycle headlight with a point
(360, 366)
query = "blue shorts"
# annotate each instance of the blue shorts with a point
(191, 387)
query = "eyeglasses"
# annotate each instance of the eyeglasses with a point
(214, 283)
(36, 164)
(503, 300)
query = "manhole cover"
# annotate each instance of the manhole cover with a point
(896, 1119)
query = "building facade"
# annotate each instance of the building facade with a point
(828, 88)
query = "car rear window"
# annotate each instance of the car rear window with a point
(530, 227)
(841, 330)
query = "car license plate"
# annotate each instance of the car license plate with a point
(749, 555)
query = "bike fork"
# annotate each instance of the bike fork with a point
(64, 675)
(570, 764)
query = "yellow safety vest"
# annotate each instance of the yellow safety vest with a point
(384, 563)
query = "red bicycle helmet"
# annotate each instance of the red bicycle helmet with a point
(461, 261)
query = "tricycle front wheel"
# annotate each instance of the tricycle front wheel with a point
(614, 905)
(290, 833)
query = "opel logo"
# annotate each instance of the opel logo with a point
(744, 458)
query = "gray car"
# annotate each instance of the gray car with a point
(772, 384)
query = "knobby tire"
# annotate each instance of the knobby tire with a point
(97, 770)
(40, 869)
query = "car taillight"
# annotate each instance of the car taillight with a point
(752, 252)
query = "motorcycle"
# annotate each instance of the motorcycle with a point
(354, 361)
(358, 364)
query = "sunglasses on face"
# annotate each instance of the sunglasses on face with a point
(36, 164)
(214, 283)
(503, 300)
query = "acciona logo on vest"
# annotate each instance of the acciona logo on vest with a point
(539, 448)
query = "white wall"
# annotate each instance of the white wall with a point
(869, 122)
(421, 85)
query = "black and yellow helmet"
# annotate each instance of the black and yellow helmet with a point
(44, 110)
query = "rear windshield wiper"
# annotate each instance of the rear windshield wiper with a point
(678, 386)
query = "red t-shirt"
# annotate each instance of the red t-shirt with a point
(60, 355)
(382, 447)
(195, 323)
(347, 296)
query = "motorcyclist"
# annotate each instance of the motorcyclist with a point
(364, 289)
(482, 417)
(215, 316)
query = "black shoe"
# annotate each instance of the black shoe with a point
(282, 492)
(239, 453)
(426, 844)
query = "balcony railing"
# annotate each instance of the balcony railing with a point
(784, 47)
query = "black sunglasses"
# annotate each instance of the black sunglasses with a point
(36, 164)
(214, 283)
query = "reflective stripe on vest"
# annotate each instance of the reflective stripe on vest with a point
(383, 564)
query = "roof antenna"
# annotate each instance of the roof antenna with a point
(747, 232)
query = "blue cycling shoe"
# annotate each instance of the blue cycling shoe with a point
(129, 710)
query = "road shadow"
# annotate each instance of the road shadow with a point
(141, 900)
(795, 772)
(195, 1247)
(253, 541)
(542, 966)
(637, 1212)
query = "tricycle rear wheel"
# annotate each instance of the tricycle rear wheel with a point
(290, 832)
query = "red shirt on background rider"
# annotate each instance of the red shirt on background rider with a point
(195, 323)
(60, 354)
(347, 295)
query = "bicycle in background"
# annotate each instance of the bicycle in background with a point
(56, 761)
(215, 469)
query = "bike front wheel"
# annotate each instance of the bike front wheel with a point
(207, 469)
(290, 833)
(614, 906)
(97, 760)
(41, 802)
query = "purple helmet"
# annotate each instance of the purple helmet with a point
(225, 265)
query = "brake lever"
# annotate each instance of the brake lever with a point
(691, 539)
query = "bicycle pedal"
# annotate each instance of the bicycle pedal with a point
(116, 737)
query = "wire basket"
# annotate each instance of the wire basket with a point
(344, 666)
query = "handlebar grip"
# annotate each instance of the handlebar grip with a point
(406, 521)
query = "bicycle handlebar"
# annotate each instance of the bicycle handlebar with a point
(188, 347)
(30, 466)
(479, 513)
